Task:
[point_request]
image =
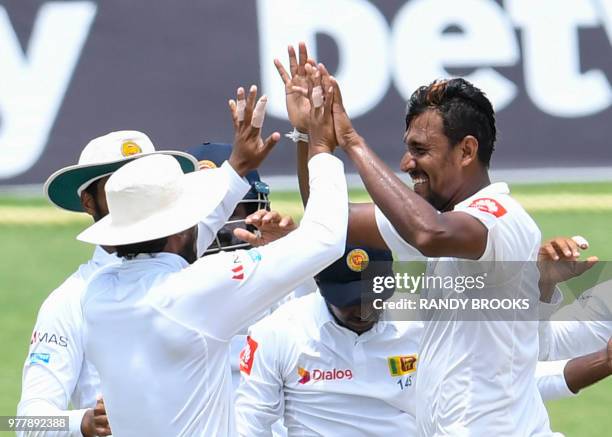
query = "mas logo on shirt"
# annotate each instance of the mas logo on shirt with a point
(490, 206)
(48, 338)
(402, 364)
(38, 358)
(323, 375)
(247, 355)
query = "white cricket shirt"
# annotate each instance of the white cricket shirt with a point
(56, 371)
(158, 329)
(580, 328)
(378, 396)
(329, 380)
(477, 377)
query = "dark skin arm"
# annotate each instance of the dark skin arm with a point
(584, 371)
(448, 234)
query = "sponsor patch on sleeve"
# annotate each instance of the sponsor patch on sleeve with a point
(39, 358)
(247, 356)
(488, 205)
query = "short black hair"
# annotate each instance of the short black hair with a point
(465, 110)
(151, 246)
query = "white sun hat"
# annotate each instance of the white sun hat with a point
(151, 198)
(101, 157)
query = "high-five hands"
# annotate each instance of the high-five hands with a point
(298, 90)
(248, 114)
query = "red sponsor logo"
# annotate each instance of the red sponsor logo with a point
(490, 206)
(247, 355)
(238, 273)
(323, 375)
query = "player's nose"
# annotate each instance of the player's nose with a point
(407, 163)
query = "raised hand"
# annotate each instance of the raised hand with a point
(322, 133)
(345, 132)
(270, 227)
(248, 114)
(296, 86)
(558, 262)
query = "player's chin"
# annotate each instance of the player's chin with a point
(360, 325)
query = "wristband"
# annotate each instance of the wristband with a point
(296, 136)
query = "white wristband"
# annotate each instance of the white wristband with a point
(296, 136)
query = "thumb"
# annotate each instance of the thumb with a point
(583, 266)
(270, 142)
(246, 236)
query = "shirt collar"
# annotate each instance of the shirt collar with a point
(171, 259)
(495, 188)
(101, 257)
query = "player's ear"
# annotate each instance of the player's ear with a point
(468, 149)
(88, 202)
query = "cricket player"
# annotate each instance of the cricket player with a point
(56, 373)
(158, 328)
(583, 326)
(326, 370)
(476, 375)
(212, 155)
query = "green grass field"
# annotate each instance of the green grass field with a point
(39, 251)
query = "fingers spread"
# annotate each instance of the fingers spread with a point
(282, 72)
(271, 141)
(233, 111)
(240, 104)
(250, 104)
(293, 65)
(259, 113)
(303, 58)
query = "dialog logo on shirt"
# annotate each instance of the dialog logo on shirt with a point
(49, 338)
(490, 206)
(247, 356)
(323, 375)
(38, 358)
(402, 364)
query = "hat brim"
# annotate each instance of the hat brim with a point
(202, 192)
(62, 186)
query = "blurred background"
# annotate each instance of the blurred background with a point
(74, 70)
